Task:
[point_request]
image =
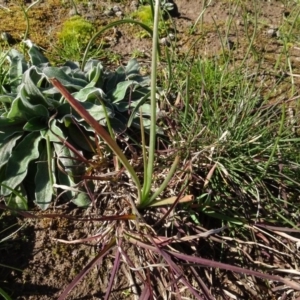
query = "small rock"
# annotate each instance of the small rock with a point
(171, 36)
(91, 5)
(116, 8)
(164, 41)
(108, 12)
(5, 36)
(230, 44)
(119, 13)
(240, 22)
(272, 32)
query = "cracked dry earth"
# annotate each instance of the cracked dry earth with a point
(49, 265)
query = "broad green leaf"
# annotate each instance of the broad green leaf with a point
(119, 124)
(36, 56)
(65, 180)
(81, 200)
(132, 68)
(68, 162)
(114, 78)
(18, 66)
(66, 80)
(43, 186)
(55, 130)
(118, 94)
(31, 110)
(9, 127)
(90, 65)
(22, 155)
(6, 99)
(130, 105)
(16, 110)
(96, 111)
(72, 65)
(35, 124)
(23, 110)
(77, 137)
(140, 106)
(94, 73)
(6, 148)
(138, 93)
(90, 94)
(31, 79)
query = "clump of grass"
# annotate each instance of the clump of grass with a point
(240, 142)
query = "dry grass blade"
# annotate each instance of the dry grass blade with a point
(87, 268)
(214, 264)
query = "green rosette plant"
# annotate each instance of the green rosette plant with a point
(43, 141)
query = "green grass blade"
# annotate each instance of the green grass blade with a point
(111, 25)
(4, 295)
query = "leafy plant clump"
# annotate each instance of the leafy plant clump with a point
(44, 143)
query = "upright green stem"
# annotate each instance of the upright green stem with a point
(148, 179)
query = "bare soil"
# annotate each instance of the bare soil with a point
(50, 265)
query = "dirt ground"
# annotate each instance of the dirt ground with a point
(49, 265)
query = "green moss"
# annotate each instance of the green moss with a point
(144, 15)
(75, 34)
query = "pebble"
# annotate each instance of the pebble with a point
(108, 12)
(116, 8)
(230, 44)
(171, 36)
(119, 13)
(164, 41)
(272, 32)
(5, 36)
